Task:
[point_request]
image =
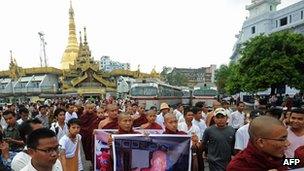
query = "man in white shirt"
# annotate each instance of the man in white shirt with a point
(70, 113)
(60, 127)
(242, 135)
(237, 118)
(225, 105)
(24, 113)
(43, 147)
(164, 109)
(295, 132)
(187, 126)
(178, 112)
(70, 146)
(198, 121)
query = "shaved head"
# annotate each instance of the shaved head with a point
(125, 122)
(269, 135)
(170, 122)
(123, 115)
(168, 116)
(263, 126)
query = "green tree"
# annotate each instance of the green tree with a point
(221, 77)
(234, 80)
(228, 80)
(272, 61)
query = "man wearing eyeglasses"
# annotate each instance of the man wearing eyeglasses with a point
(266, 147)
(43, 147)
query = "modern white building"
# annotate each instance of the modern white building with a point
(264, 18)
(108, 65)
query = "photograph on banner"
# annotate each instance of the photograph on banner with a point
(154, 152)
(102, 150)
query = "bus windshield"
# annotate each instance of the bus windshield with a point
(205, 92)
(144, 91)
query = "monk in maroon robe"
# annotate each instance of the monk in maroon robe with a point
(171, 124)
(111, 121)
(89, 122)
(142, 116)
(151, 118)
(266, 147)
(125, 122)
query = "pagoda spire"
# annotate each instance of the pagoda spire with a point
(85, 35)
(86, 49)
(80, 38)
(71, 50)
(72, 31)
(80, 48)
(11, 53)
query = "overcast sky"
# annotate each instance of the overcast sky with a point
(175, 33)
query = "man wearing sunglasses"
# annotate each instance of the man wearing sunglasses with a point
(43, 147)
(266, 146)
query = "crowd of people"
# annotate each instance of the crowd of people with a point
(50, 135)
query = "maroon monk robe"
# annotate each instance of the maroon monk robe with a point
(167, 131)
(89, 122)
(139, 121)
(252, 159)
(154, 126)
(111, 125)
(120, 131)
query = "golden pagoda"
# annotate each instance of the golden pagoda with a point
(84, 76)
(71, 51)
(15, 71)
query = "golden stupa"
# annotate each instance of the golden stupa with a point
(71, 51)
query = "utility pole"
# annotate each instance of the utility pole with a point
(42, 49)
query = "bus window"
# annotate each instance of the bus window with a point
(144, 91)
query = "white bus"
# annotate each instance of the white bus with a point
(204, 94)
(153, 94)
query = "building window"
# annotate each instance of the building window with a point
(283, 21)
(290, 18)
(276, 23)
(270, 7)
(302, 15)
(253, 30)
